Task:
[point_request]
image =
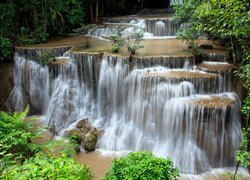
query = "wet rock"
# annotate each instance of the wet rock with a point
(99, 132)
(75, 134)
(83, 123)
(84, 133)
(90, 140)
(84, 126)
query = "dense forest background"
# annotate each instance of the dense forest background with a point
(34, 21)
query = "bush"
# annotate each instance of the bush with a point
(115, 48)
(133, 41)
(48, 167)
(142, 165)
(243, 155)
(15, 139)
(5, 48)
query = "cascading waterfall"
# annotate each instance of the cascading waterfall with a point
(31, 86)
(153, 27)
(188, 115)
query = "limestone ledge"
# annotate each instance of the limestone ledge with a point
(181, 74)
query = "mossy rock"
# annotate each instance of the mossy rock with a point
(83, 123)
(90, 140)
(75, 134)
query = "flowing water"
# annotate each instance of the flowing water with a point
(162, 104)
(161, 27)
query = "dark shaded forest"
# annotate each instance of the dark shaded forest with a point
(34, 21)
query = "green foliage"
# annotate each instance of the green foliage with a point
(7, 20)
(35, 37)
(142, 165)
(133, 41)
(33, 21)
(224, 18)
(188, 32)
(5, 47)
(243, 155)
(16, 138)
(48, 167)
(100, 52)
(84, 29)
(115, 48)
(46, 56)
(230, 175)
(60, 148)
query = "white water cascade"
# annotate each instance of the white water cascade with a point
(188, 115)
(152, 26)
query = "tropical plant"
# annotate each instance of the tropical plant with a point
(5, 48)
(226, 20)
(84, 30)
(142, 165)
(48, 167)
(133, 41)
(243, 155)
(16, 138)
(46, 56)
(184, 14)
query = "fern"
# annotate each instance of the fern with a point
(15, 138)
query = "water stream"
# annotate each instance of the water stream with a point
(159, 104)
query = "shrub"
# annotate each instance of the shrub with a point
(84, 30)
(115, 48)
(142, 165)
(243, 155)
(5, 48)
(15, 138)
(46, 56)
(48, 167)
(133, 41)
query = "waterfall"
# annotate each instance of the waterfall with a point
(176, 2)
(158, 104)
(153, 27)
(31, 86)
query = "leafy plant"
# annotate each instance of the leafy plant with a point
(5, 48)
(133, 41)
(115, 48)
(84, 29)
(46, 56)
(142, 165)
(184, 13)
(48, 167)
(16, 138)
(60, 148)
(100, 52)
(243, 155)
(35, 37)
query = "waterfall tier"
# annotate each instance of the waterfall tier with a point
(153, 26)
(142, 103)
(202, 82)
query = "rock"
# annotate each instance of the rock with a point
(90, 140)
(83, 123)
(84, 126)
(75, 134)
(99, 132)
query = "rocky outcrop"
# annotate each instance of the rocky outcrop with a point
(85, 134)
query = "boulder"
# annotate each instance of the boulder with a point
(83, 123)
(90, 140)
(84, 126)
(75, 134)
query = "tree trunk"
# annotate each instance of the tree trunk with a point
(91, 12)
(97, 11)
